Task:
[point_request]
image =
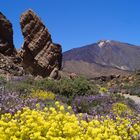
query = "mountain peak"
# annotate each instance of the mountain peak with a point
(108, 53)
(102, 43)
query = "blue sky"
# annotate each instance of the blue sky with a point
(74, 23)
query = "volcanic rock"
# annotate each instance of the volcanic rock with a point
(7, 50)
(39, 54)
(8, 67)
(106, 78)
(6, 37)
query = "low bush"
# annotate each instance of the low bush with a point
(69, 87)
(42, 95)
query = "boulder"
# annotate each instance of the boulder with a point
(6, 37)
(39, 54)
(73, 75)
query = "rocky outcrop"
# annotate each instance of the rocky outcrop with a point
(7, 49)
(7, 66)
(6, 37)
(39, 54)
(106, 78)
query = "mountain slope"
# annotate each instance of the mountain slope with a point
(104, 57)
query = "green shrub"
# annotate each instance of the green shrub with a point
(22, 87)
(69, 87)
(66, 87)
(2, 80)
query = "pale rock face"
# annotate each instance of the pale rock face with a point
(124, 68)
(120, 67)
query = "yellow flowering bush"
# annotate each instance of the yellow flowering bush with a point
(42, 95)
(55, 123)
(102, 90)
(121, 109)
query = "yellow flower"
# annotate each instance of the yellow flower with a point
(61, 108)
(57, 124)
(69, 107)
(42, 95)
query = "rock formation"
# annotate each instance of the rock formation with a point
(39, 55)
(7, 50)
(6, 37)
(7, 66)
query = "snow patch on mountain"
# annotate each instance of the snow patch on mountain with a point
(102, 43)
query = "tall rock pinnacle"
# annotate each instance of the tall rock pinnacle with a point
(39, 54)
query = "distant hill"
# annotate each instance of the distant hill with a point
(102, 58)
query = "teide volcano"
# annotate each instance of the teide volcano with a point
(102, 58)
